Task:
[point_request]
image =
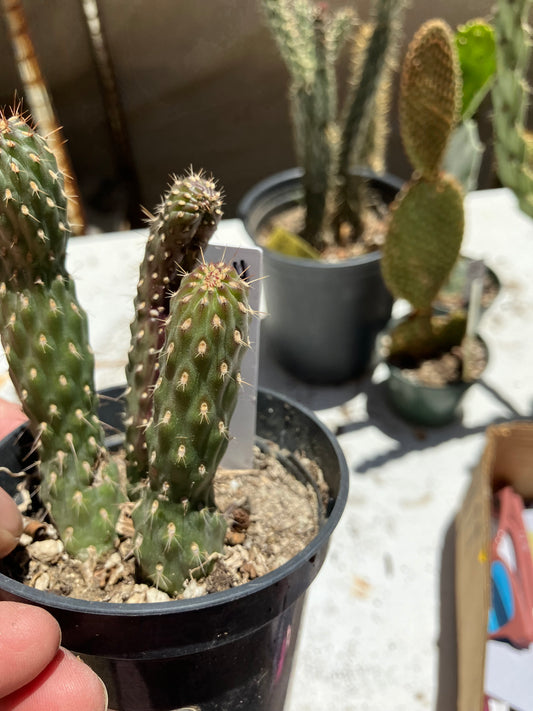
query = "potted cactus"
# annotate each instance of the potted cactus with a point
(323, 266)
(188, 337)
(424, 237)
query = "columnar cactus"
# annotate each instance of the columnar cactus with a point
(193, 402)
(184, 366)
(513, 145)
(181, 228)
(45, 338)
(427, 218)
(329, 142)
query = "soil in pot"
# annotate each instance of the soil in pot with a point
(292, 220)
(444, 369)
(271, 517)
(430, 392)
(322, 316)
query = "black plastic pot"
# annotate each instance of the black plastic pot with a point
(323, 318)
(12, 451)
(226, 651)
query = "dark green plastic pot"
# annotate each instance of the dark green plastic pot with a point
(424, 404)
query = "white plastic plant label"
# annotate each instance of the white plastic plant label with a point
(248, 263)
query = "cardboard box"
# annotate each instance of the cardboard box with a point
(507, 459)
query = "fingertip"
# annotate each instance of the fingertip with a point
(67, 683)
(10, 516)
(32, 637)
(8, 542)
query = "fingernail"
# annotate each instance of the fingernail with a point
(7, 542)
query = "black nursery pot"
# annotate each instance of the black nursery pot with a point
(323, 318)
(225, 651)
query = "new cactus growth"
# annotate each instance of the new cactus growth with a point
(329, 141)
(181, 228)
(427, 218)
(187, 345)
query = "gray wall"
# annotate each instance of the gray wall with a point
(200, 81)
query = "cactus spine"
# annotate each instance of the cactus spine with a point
(427, 218)
(194, 399)
(45, 338)
(181, 228)
(310, 40)
(513, 145)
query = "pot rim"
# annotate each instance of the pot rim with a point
(212, 600)
(397, 372)
(292, 175)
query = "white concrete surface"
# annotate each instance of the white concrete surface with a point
(378, 630)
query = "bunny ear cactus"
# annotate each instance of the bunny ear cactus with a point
(427, 218)
(179, 231)
(193, 401)
(45, 338)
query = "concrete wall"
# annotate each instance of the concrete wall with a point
(200, 81)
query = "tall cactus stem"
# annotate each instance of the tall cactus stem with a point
(178, 233)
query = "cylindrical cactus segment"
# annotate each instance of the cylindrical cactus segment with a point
(181, 228)
(33, 206)
(423, 239)
(513, 148)
(193, 401)
(430, 95)
(51, 364)
(176, 543)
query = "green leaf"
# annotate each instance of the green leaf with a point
(476, 48)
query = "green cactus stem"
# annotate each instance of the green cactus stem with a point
(328, 142)
(430, 95)
(423, 239)
(476, 50)
(363, 123)
(45, 338)
(34, 226)
(193, 401)
(426, 220)
(178, 233)
(510, 97)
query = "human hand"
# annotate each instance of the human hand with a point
(36, 674)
